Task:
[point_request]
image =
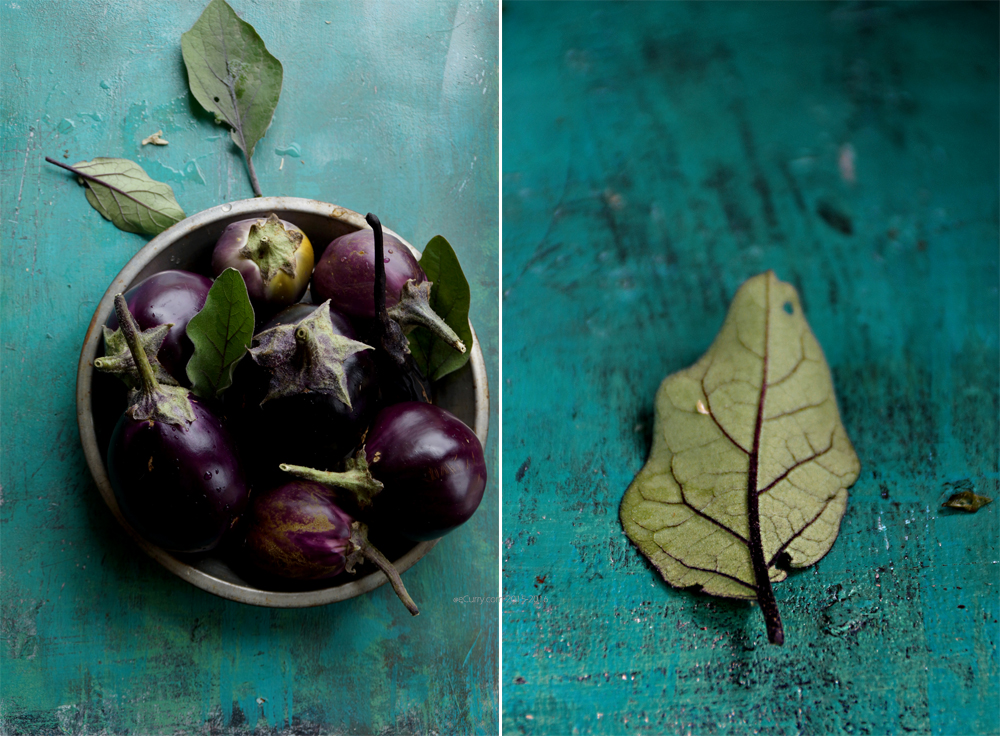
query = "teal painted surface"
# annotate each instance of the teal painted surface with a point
(655, 156)
(386, 107)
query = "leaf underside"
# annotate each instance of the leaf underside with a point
(221, 333)
(231, 73)
(450, 298)
(750, 430)
(131, 200)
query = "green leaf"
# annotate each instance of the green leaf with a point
(232, 74)
(750, 464)
(122, 192)
(450, 298)
(221, 333)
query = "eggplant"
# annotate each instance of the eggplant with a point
(355, 271)
(168, 298)
(297, 531)
(420, 475)
(274, 257)
(173, 465)
(284, 402)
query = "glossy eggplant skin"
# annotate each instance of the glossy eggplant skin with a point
(168, 297)
(345, 273)
(181, 489)
(305, 428)
(296, 531)
(432, 468)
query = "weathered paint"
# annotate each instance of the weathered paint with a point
(386, 107)
(655, 156)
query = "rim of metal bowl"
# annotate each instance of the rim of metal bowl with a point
(199, 577)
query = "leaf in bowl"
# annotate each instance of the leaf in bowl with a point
(450, 298)
(221, 333)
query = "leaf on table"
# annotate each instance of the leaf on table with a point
(122, 192)
(221, 333)
(750, 463)
(966, 501)
(231, 73)
(450, 298)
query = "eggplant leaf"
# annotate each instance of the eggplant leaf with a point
(122, 192)
(233, 75)
(750, 464)
(450, 298)
(221, 333)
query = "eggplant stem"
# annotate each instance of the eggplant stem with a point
(359, 536)
(390, 335)
(414, 310)
(358, 479)
(130, 330)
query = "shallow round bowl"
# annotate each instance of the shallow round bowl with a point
(188, 245)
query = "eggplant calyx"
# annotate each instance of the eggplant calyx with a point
(357, 479)
(414, 310)
(306, 357)
(272, 247)
(151, 401)
(363, 548)
(169, 404)
(118, 359)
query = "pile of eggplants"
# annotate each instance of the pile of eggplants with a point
(326, 430)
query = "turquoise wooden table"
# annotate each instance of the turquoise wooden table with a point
(655, 156)
(386, 107)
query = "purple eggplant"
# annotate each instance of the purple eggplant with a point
(283, 414)
(421, 473)
(274, 257)
(346, 275)
(296, 531)
(168, 297)
(173, 465)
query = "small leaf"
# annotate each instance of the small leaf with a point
(450, 298)
(750, 464)
(232, 74)
(221, 333)
(966, 501)
(121, 191)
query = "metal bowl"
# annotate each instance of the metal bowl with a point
(188, 245)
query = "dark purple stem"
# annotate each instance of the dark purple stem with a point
(96, 179)
(390, 335)
(762, 577)
(380, 312)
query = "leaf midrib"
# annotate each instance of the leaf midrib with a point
(762, 578)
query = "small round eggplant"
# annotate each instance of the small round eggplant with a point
(173, 466)
(296, 531)
(169, 297)
(421, 474)
(305, 425)
(274, 257)
(345, 273)
(181, 488)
